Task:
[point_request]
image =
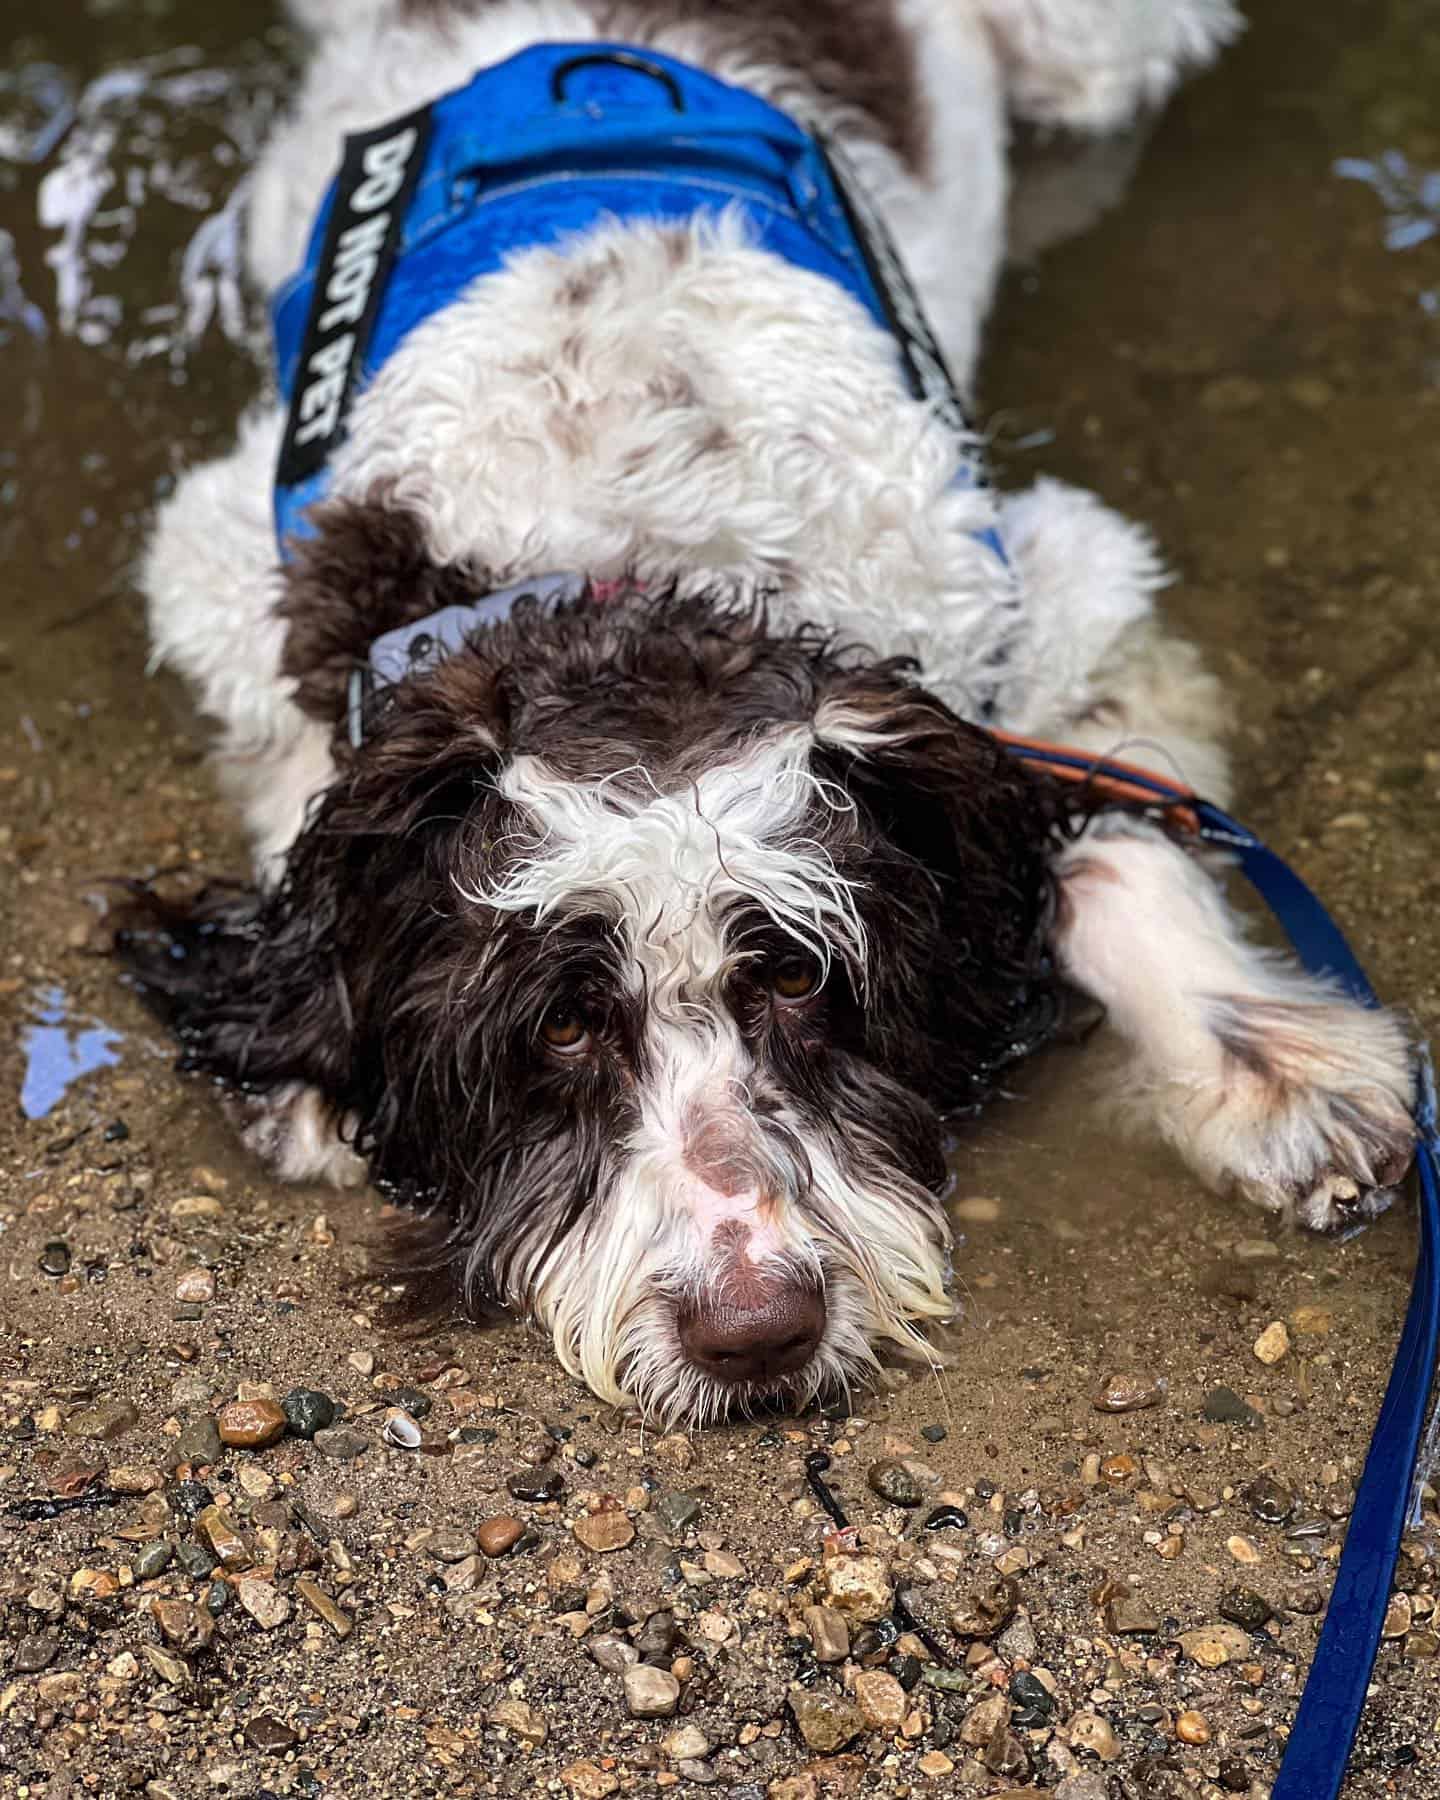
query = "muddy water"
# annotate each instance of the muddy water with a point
(1245, 353)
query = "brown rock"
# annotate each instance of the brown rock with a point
(174, 1670)
(136, 1478)
(250, 1424)
(105, 1420)
(605, 1531)
(183, 1624)
(1128, 1393)
(827, 1722)
(859, 1586)
(980, 1724)
(195, 1287)
(222, 1534)
(266, 1607)
(499, 1535)
(520, 1720)
(881, 1700)
(589, 1781)
(1213, 1645)
(829, 1634)
(320, 1602)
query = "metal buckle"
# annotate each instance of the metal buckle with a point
(623, 59)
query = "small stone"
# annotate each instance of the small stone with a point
(1305, 1598)
(826, 1721)
(195, 1560)
(414, 1401)
(676, 1450)
(589, 1781)
(882, 1701)
(362, 1362)
(269, 1735)
(256, 1482)
(198, 1442)
(1398, 1616)
(1421, 1644)
(976, 1209)
(1271, 1503)
(33, 1653)
(1312, 1321)
(307, 1411)
(499, 1535)
(1223, 1406)
(934, 1434)
(93, 1584)
(195, 1287)
(250, 1424)
(54, 1259)
(1128, 1393)
(724, 1566)
(124, 1667)
(222, 1534)
(656, 1637)
(1192, 1728)
(341, 1444)
(677, 1512)
(152, 1560)
(1214, 1645)
(603, 1532)
(612, 1653)
(859, 1586)
(136, 1478)
(191, 1207)
(173, 1670)
(1006, 1756)
(537, 1485)
(462, 1577)
(106, 1420)
(986, 1611)
(320, 1603)
(651, 1693)
(1273, 1343)
(183, 1624)
(1130, 1616)
(980, 1724)
(265, 1606)
(684, 1742)
(1244, 1550)
(934, 1764)
(1084, 1784)
(522, 1721)
(1244, 1607)
(947, 1518)
(895, 1481)
(1089, 1731)
(829, 1634)
(449, 1545)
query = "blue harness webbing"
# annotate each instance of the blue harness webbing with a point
(1325, 1723)
(555, 141)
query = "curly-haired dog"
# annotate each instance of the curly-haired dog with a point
(636, 927)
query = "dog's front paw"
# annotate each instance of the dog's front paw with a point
(1311, 1118)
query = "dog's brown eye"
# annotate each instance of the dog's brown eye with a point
(795, 978)
(566, 1029)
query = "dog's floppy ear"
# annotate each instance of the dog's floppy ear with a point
(958, 837)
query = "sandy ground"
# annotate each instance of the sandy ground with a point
(1234, 355)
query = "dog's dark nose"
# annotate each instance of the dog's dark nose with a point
(754, 1342)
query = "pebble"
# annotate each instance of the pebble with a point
(419, 1405)
(1398, 1617)
(173, 1670)
(677, 1512)
(603, 1532)
(983, 1614)
(536, 1485)
(946, 1518)
(589, 1781)
(195, 1287)
(934, 1764)
(676, 1450)
(341, 1444)
(1244, 1550)
(307, 1411)
(1128, 1615)
(198, 1442)
(1089, 1731)
(826, 1721)
(107, 1419)
(1223, 1406)
(656, 1638)
(34, 1652)
(724, 1566)
(136, 1478)
(265, 1606)
(897, 1482)
(269, 1735)
(1420, 1644)
(1244, 1607)
(1214, 1645)
(153, 1559)
(1312, 1321)
(980, 1724)
(1273, 1343)
(684, 1742)
(1128, 1393)
(1192, 1728)
(522, 1721)
(362, 1362)
(829, 1634)
(450, 1545)
(977, 1209)
(250, 1424)
(859, 1586)
(1084, 1784)
(1271, 1503)
(882, 1701)
(1033, 1697)
(222, 1534)
(650, 1693)
(1005, 1755)
(320, 1603)
(612, 1653)
(183, 1624)
(498, 1535)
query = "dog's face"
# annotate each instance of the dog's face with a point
(645, 949)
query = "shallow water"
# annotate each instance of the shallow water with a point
(1244, 352)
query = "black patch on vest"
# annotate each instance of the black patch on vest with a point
(373, 191)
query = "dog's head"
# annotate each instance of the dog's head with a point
(644, 947)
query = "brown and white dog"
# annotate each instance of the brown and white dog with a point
(647, 941)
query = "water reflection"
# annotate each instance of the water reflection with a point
(59, 1050)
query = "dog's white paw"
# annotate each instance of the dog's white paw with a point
(297, 1136)
(1309, 1116)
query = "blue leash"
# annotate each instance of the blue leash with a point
(1387, 1498)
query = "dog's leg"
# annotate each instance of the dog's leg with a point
(1264, 1079)
(297, 1136)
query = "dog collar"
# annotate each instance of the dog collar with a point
(554, 141)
